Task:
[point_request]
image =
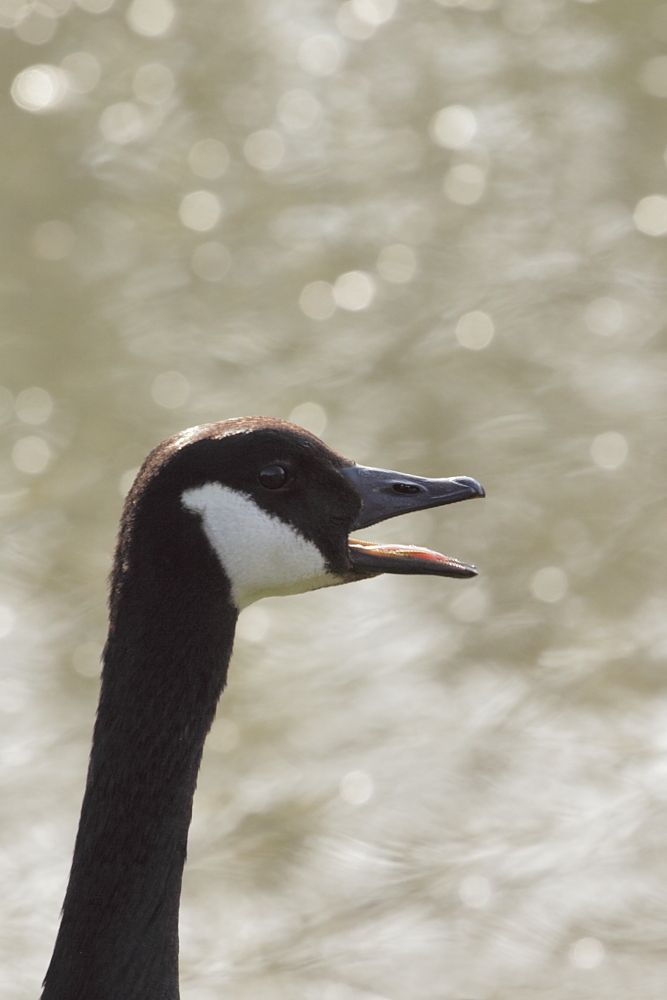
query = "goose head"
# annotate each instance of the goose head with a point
(277, 507)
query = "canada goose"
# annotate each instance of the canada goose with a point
(218, 517)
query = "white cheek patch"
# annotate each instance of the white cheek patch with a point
(261, 555)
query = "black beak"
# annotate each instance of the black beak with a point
(385, 494)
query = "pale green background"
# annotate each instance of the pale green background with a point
(417, 789)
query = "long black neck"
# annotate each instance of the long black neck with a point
(165, 666)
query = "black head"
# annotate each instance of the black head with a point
(277, 506)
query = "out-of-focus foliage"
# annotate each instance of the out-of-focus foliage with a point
(432, 232)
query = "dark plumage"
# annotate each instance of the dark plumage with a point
(172, 621)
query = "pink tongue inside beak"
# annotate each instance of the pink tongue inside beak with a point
(372, 557)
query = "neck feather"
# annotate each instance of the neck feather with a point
(165, 666)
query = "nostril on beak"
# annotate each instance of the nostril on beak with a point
(405, 488)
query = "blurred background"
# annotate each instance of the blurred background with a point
(430, 231)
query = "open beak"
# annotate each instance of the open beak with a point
(386, 494)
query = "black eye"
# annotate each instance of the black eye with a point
(273, 477)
